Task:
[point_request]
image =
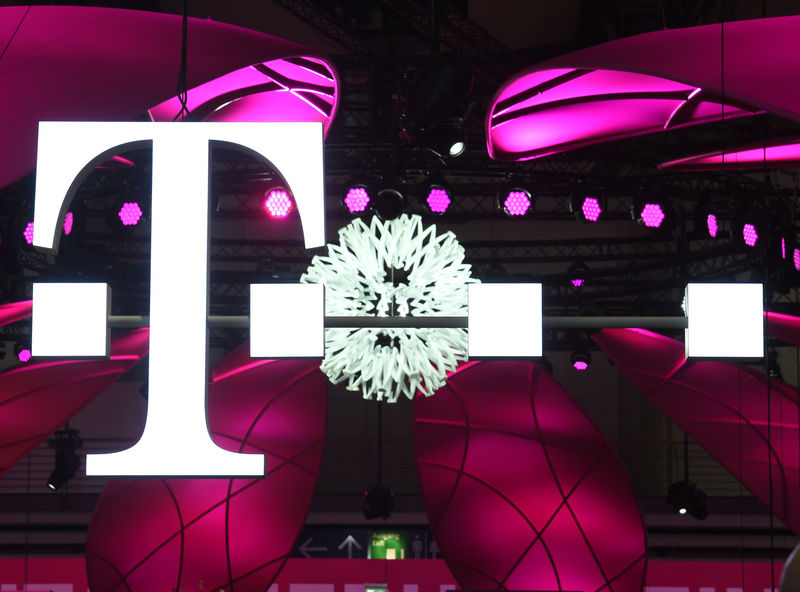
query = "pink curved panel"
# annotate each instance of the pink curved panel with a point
(777, 153)
(15, 311)
(654, 81)
(783, 326)
(37, 398)
(522, 490)
(723, 406)
(99, 64)
(163, 534)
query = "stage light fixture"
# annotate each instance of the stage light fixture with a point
(586, 208)
(378, 502)
(130, 213)
(357, 198)
(796, 259)
(65, 443)
(24, 355)
(69, 219)
(516, 201)
(686, 498)
(581, 360)
(389, 203)
(28, 233)
(654, 213)
(278, 202)
(712, 225)
(750, 227)
(578, 272)
(438, 200)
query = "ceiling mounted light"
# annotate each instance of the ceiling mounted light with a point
(586, 208)
(581, 360)
(23, 353)
(389, 203)
(577, 274)
(654, 213)
(130, 213)
(278, 202)
(357, 198)
(65, 442)
(750, 227)
(437, 195)
(685, 498)
(515, 201)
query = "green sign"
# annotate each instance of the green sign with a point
(387, 545)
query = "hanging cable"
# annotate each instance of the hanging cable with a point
(183, 88)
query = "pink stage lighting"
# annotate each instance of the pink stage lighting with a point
(357, 199)
(438, 200)
(711, 224)
(24, 355)
(130, 213)
(652, 215)
(783, 248)
(580, 365)
(750, 235)
(68, 220)
(278, 203)
(28, 233)
(577, 282)
(517, 202)
(591, 209)
(796, 259)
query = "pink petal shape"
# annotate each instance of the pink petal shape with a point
(521, 488)
(723, 406)
(37, 398)
(15, 311)
(156, 534)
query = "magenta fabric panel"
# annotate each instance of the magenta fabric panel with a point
(15, 311)
(783, 326)
(656, 81)
(37, 398)
(522, 490)
(99, 64)
(776, 153)
(163, 534)
(723, 406)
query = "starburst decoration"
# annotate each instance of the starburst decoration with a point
(392, 268)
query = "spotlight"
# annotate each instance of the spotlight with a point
(389, 204)
(685, 498)
(516, 201)
(712, 225)
(66, 459)
(750, 227)
(357, 198)
(655, 214)
(773, 366)
(437, 195)
(708, 221)
(750, 234)
(796, 259)
(68, 220)
(577, 274)
(22, 352)
(581, 360)
(277, 202)
(130, 213)
(378, 502)
(585, 207)
(28, 233)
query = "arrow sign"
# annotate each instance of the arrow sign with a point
(305, 549)
(349, 542)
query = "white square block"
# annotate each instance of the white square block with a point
(70, 320)
(287, 320)
(725, 321)
(505, 320)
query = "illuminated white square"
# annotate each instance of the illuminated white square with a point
(70, 320)
(505, 320)
(725, 321)
(287, 321)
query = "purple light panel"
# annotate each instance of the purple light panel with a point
(713, 227)
(356, 200)
(278, 204)
(438, 200)
(580, 365)
(130, 213)
(591, 209)
(68, 220)
(517, 203)
(796, 259)
(750, 235)
(28, 233)
(577, 282)
(783, 248)
(652, 215)
(24, 355)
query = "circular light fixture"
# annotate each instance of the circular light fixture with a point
(277, 202)
(130, 213)
(437, 198)
(581, 360)
(516, 202)
(357, 199)
(654, 214)
(457, 148)
(586, 208)
(389, 203)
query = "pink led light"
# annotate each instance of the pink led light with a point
(24, 355)
(278, 203)
(750, 235)
(577, 282)
(130, 213)
(783, 248)
(652, 215)
(591, 209)
(68, 220)
(713, 227)
(357, 199)
(28, 233)
(517, 203)
(796, 259)
(438, 200)
(580, 365)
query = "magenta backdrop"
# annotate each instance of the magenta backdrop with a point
(723, 406)
(195, 534)
(522, 490)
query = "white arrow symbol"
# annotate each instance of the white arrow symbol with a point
(350, 542)
(304, 548)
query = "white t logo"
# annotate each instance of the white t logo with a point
(175, 439)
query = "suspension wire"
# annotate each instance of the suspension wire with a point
(182, 76)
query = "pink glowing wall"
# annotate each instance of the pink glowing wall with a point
(39, 397)
(522, 490)
(644, 84)
(722, 406)
(15, 311)
(776, 153)
(99, 64)
(195, 534)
